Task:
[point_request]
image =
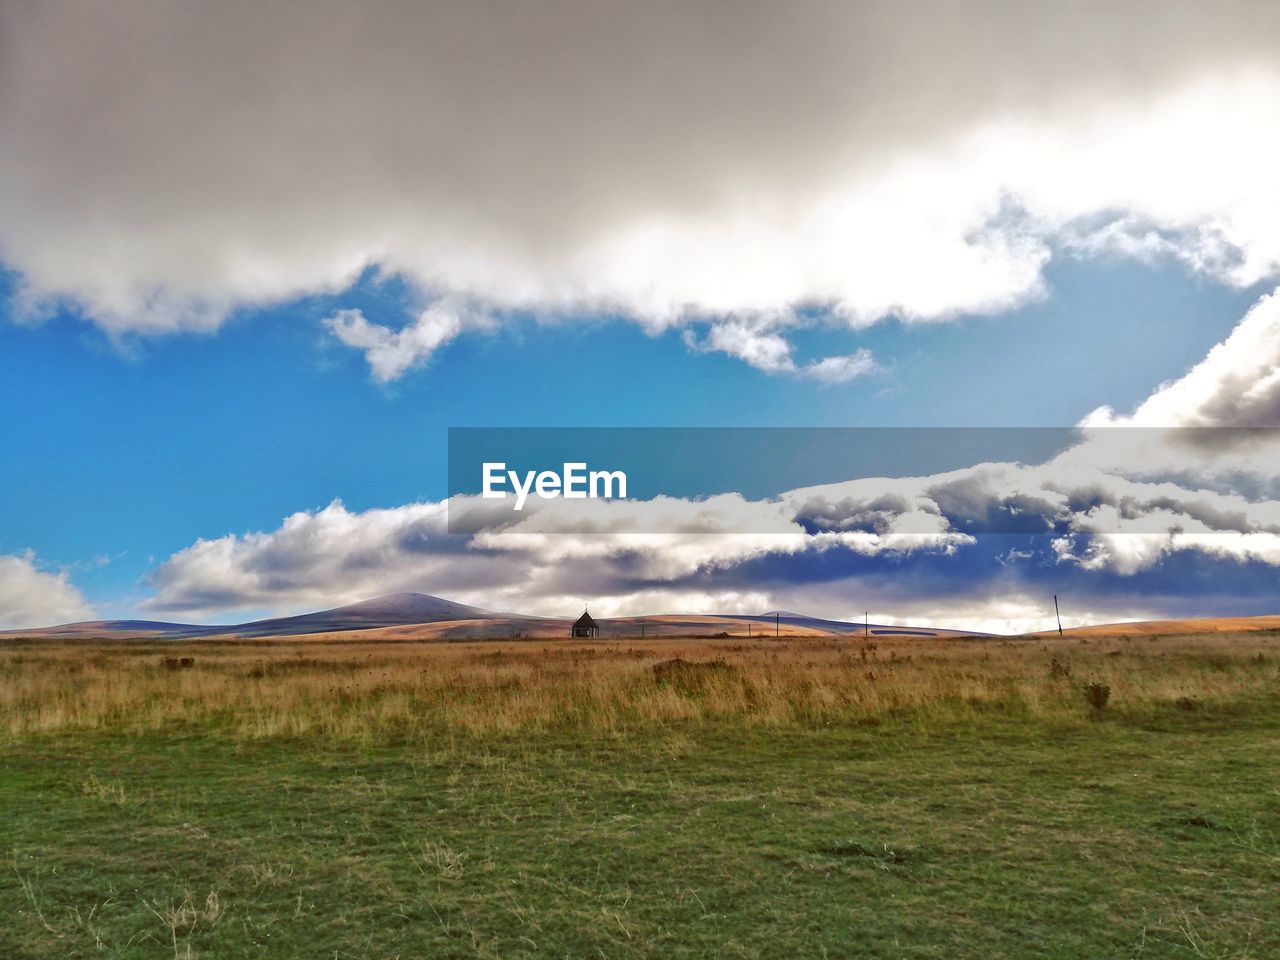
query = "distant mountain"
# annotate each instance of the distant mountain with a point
(398, 609)
(418, 616)
(106, 628)
(395, 610)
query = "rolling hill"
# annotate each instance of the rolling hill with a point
(417, 616)
(397, 609)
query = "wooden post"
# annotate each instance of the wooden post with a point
(1057, 614)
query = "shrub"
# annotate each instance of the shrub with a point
(1097, 694)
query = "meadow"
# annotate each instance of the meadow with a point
(913, 797)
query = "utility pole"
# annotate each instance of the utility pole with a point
(748, 628)
(866, 623)
(1057, 614)
(641, 629)
(777, 624)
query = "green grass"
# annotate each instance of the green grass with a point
(1128, 837)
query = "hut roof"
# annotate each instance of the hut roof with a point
(585, 621)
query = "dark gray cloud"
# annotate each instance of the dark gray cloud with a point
(674, 162)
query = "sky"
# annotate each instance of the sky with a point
(256, 262)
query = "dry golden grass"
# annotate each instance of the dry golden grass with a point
(1199, 625)
(391, 691)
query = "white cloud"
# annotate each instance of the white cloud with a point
(391, 352)
(1236, 385)
(840, 369)
(32, 597)
(1217, 427)
(555, 550)
(167, 163)
(757, 341)
(334, 556)
(314, 560)
(1013, 611)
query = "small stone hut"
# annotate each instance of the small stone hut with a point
(585, 626)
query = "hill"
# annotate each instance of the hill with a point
(1145, 628)
(397, 609)
(418, 616)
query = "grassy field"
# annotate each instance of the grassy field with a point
(796, 798)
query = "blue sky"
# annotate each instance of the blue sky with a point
(244, 295)
(141, 447)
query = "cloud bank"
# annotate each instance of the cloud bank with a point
(673, 163)
(901, 541)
